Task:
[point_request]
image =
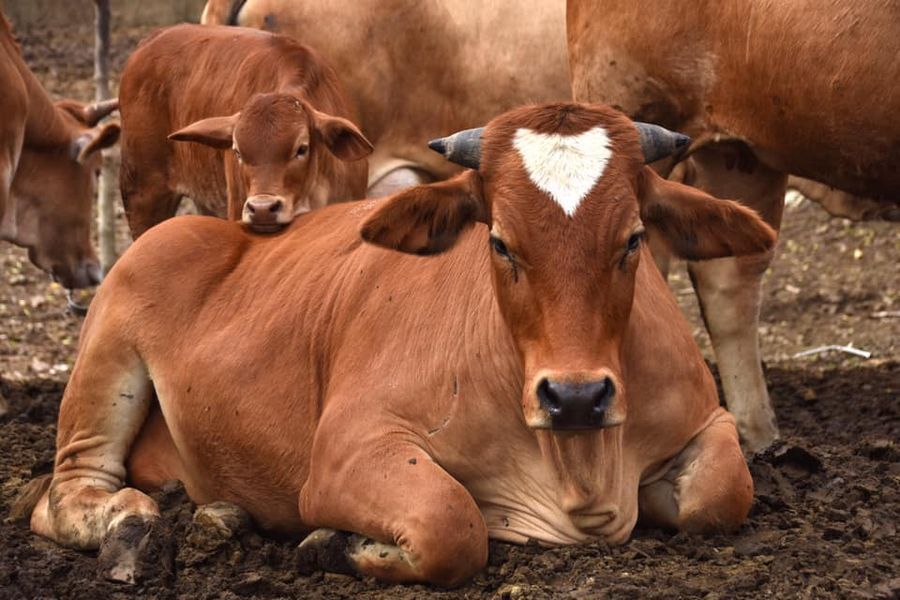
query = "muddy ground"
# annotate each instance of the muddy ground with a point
(827, 511)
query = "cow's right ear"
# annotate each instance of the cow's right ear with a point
(215, 131)
(697, 226)
(427, 219)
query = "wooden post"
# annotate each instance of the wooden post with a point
(106, 192)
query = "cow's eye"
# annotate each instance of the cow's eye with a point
(634, 241)
(302, 150)
(237, 154)
(500, 248)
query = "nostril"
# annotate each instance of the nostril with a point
(250, 208)
(548, 397)
(602, 393)
(276, 207)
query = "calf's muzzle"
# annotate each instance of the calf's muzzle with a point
(574, 406)
(264, 213)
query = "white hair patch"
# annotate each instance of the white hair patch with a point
(566, 167)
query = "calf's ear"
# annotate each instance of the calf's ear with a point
(427, 219)
(217, 132)
(342, 137)
(697, 226)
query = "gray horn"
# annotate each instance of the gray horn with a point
(658, 142)
(98, 110)
(463, 147)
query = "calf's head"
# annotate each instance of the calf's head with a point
(53, 194)
(278, 140)
(568, 200)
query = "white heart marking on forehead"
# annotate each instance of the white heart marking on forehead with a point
(566, 167)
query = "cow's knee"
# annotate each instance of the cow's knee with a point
(707, 489)
(450, 551)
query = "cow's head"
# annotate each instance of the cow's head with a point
(53, 193)
(568, 199)
(278, 140)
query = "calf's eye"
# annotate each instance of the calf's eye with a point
(302, 150)
(237, 154)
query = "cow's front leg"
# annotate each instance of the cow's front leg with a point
(708, 488)
(412, 522)
(730, 289)
(86, 505)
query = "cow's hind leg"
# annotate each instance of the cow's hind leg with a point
(729, 289)
(103, 409)
(410, 520)
(708, 487)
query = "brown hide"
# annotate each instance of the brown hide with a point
(394, 395)
(806, 84)
(270, 99)
(48, 160)
(429, 68)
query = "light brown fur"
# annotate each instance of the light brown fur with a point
(319, 381)
(765, 89)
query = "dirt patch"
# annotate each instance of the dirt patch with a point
(827, 509)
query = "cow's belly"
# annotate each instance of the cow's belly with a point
(218, 458)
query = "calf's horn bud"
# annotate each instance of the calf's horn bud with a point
(658, 142)
(463, 147)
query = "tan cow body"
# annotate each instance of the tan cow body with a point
(765, 89)
(268, 100)
(48, 162)
(429, 67)
(319, 381)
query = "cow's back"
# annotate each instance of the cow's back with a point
(187, 73)
(805, 83)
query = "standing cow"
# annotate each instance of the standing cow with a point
(532, 379)
(49, 157)
(765, 89)
(415, 70)
(270, 103)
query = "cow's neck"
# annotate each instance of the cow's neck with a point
(44, 127)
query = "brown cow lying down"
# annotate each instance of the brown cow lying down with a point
(533, 379)
(49, 156)
(270, 100)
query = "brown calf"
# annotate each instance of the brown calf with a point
(48, 163)
(534, 379)
(268, 99)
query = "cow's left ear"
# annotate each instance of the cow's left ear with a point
(95, 139)
(427, 219)
(217, 132)
(697, 226)
(342, 137)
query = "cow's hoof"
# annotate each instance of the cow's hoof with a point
(132, 550)
(325, 550)
(224, 519)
